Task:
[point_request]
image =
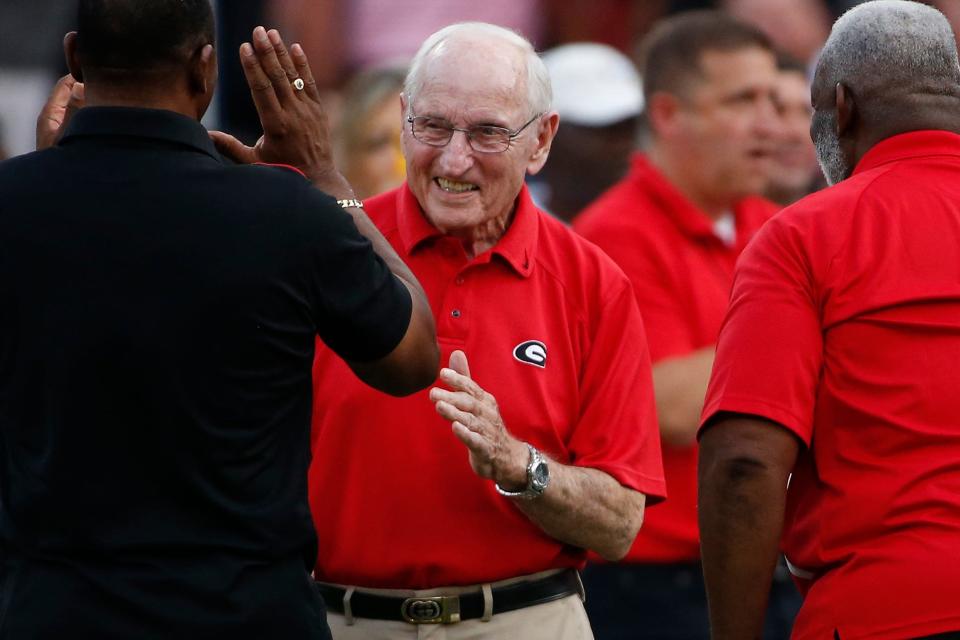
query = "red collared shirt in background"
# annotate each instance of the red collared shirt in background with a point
(844, 327)
(681, 273)
(394, 499)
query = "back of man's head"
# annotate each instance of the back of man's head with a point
(121, 40)
(670, 55)
(886, 49)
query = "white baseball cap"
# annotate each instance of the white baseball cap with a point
(594, 85)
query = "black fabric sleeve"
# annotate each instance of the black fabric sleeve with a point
(361, 310)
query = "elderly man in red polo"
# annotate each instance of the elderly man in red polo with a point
(472, 506)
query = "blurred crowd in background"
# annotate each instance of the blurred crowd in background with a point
(359, 49)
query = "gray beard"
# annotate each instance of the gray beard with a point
(825, 140)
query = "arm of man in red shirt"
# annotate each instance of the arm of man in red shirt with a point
(679, 385)
(582, 507)
(744, 465)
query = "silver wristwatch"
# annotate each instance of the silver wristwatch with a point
(538, 477)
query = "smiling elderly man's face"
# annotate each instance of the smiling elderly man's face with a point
(468, 83)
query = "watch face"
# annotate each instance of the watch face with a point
(541, 475)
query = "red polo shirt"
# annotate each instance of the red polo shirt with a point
(394, 499)
(681, 273)
(844, 327)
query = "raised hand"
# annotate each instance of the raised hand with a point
(476, 422)
(66, 99)
(295, 126)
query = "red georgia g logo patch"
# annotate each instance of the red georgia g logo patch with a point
(531, 352)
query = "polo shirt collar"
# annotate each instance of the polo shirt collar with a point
(916, 144)
(152, 124)
(517, 247)
(686, 215)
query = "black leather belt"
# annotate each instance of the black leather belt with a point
(449, 609)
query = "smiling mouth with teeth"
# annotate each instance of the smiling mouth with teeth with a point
(452, 186)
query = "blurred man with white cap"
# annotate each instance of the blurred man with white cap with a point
(676, 225)
(598, 94)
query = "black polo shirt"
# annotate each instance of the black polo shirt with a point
(158, 310)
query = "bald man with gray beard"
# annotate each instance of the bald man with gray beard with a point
(830, 423)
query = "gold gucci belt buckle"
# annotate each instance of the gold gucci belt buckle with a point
(436, 610)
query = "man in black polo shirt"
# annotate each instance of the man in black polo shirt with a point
(157, 327)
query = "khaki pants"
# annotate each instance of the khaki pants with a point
(563, 619)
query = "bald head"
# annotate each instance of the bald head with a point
(889, 48)
(512, 49)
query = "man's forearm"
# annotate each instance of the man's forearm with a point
(741, 504)
(587, 508)
(680, 384)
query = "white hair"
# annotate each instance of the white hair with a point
(890, 46)
(539, 91)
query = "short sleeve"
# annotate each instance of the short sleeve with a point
(654, 289)
(770, 349)
(617, 429)
(361, 310)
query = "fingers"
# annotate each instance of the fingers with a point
(78, 99)
(460, 399)
(280, 49)
(477, 444)
(52, 116)
(458, 362)
(233, 148)
(261, 89)
(270, 63)
(303, 70)
(460, 382)
(455, 414)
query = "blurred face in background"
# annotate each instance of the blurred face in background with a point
(722, 128)
(368, 135)
(795, 162)
(376, 164)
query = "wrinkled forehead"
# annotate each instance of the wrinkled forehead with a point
(473, 76)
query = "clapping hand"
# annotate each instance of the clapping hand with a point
(476, 422)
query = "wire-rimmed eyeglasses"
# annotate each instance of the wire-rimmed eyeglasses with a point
(482, 138)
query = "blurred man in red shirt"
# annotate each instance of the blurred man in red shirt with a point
(676, 224)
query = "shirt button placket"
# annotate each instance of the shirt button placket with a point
(454, 305)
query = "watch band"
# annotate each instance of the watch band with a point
(351, 203)
(532, 490)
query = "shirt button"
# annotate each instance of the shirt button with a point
(459, 281)
(455, 313)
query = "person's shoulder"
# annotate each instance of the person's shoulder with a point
(576, 261)
(24, 173)
(829, 205)
(620, 207)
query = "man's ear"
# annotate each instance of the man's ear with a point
(70, 53)
(203, 70)
(846, 110)
(663, 112)
(547, 129)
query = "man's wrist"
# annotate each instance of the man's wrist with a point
(513, 477)
(333, 183)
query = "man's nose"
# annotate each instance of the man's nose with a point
(457, 155)
(769, 123)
